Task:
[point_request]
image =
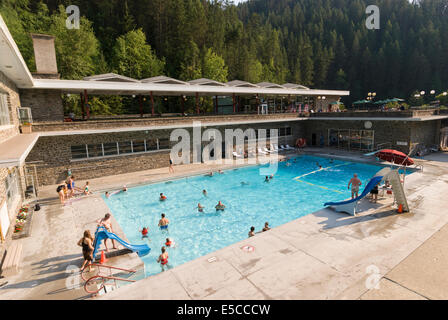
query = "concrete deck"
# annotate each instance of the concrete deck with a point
(324, 255)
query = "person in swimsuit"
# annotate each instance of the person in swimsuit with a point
(163, 223)
(210, 174)
(162, 197)
(170, 243)
(374, 194)
(60, 190)
(266, 179)
(107, 223)
(86, 242)
(200, 208)
(71, 187)
(144, 232)
(204, 192)
(266, 227)
(171, 169)
(355, 182)
(86, 189)
(163, 259)
(220, 206)
(252, 232)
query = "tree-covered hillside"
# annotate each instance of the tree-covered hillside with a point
(318, 43)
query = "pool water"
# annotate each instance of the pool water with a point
(281, 200)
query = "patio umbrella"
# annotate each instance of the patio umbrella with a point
(394, 156)
(361, 102)
(396, 100)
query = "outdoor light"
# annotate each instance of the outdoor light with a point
(318, 97)
(374, 94)
(417, 95)
(422, 93)
(323, 98)
(133, 96)
(445, 93)
(433, 91)
(370, 93)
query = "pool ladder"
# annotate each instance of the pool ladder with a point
(102, 281)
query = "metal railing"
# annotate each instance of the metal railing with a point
(98, 281)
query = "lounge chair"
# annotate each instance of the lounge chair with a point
(236, 155)
(276, 148)
(267, 150)
(272, 148)
(288, 147)
(261, 151)
(282, 147)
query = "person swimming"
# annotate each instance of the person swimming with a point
(200, 208)
(251, 232)
(271, 177)
(210, 174)
(266, 227)
(163, 222)
(266, 179)
(204, 192)
(220, 206)
(162, 197)
(170, 243)
(244, 183)
(144, 232)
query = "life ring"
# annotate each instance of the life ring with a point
(301, 143)
(248, 248)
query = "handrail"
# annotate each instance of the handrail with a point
(102, 265)
(103, 282)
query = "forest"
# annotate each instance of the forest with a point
(322, 44)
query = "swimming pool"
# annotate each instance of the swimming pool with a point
(295, 191)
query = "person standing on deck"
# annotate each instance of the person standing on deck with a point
(355, 182)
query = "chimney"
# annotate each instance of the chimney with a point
(45, 57)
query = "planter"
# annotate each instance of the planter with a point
(26, 129)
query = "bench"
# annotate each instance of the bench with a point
(11, 264)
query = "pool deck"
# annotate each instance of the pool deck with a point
(325, 255)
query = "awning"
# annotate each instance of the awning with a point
(14, 151)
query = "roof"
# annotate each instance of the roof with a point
(158, 89)
(110, 77)
(12, 63)
(269, 85)
(163, 80)
(14, 151)
(294, 86)
(206, 82)
(239, 83)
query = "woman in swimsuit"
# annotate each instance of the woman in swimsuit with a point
(163, 259)
(200, 208)
(86, 242)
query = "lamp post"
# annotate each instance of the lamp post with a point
(371, 96)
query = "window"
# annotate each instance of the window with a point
(118, 148)
(289, 131)
(125, 147)
(4, 110)
(12, 189)
(138, 146)
(164, 144)
(151, 145)
(95, 150)
(79, 152)
(110, 149)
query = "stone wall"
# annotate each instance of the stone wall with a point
(12, 96)
(52, 154)
(46, 105)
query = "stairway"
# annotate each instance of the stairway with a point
(400, 197)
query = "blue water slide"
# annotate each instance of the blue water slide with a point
(102, 233)
(372, 183)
